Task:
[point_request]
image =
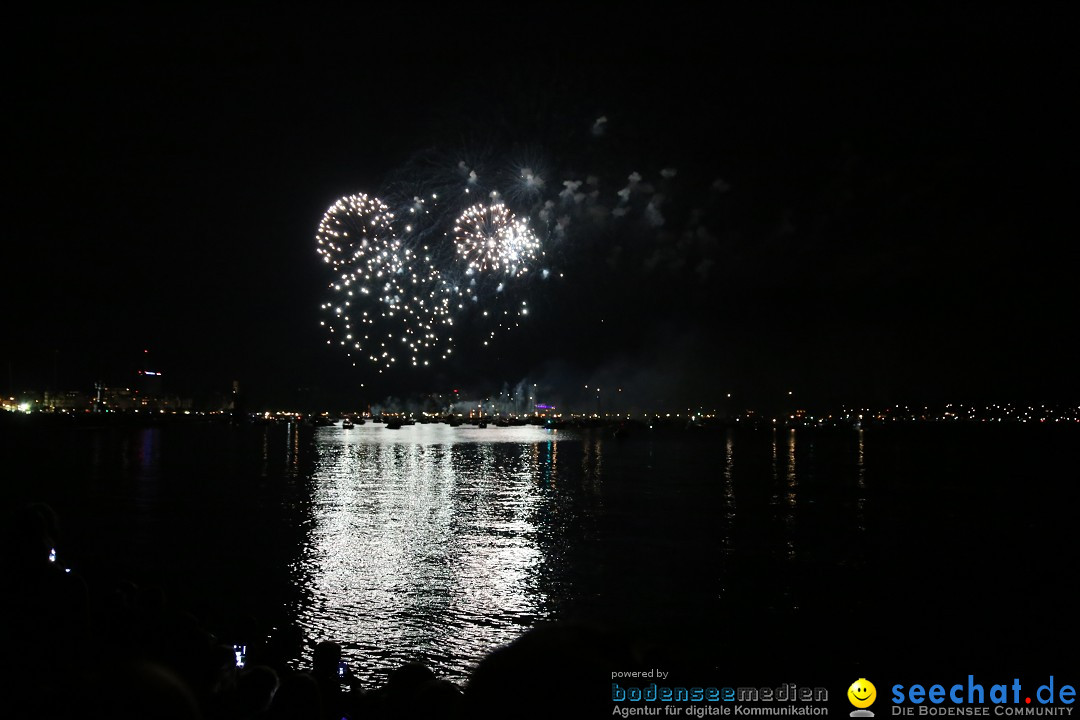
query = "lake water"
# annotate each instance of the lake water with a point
(437, 543)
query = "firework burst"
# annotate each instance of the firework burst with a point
(385, 301)
(462, 239)
(489, 239)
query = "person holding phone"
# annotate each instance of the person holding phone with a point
(331, 672)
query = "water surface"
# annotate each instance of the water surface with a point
(439, 543)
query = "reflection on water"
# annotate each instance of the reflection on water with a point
(785, 498)
(146, 454)
(439, 543)
(791, 497)
(428, 543)
(860, 483)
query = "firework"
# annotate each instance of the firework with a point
(386, 303)
(355, 233)
(462, 238)
(489, 239)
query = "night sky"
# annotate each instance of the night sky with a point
(873, 207)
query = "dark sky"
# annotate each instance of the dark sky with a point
(893, 221)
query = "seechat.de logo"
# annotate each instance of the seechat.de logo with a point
(862, 694)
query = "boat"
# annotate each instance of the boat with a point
(346, 424)
(361, 421)
(394, 423)
(481, 424)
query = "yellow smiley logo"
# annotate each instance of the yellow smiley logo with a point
(862, 693)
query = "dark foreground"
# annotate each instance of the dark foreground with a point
(813, 557)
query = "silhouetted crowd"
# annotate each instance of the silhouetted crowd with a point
(126, 652)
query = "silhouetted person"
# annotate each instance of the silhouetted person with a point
(219, 679)
(143, 691)
(45, 608)
(284, 645)
(298, 698)
(431, 699)
(393, 699)
(324, 668)
(550, 671)
(255, 689)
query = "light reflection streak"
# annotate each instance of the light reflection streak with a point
(860, 482)
(729, 492)
(727, 528)
(292, 452)
(265, 452)
(423, 546)
(791, 497)
(148, 485)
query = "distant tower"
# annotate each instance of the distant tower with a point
(149, 380)
(236, 400)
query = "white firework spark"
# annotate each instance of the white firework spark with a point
(385, 304)
(489, 239)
